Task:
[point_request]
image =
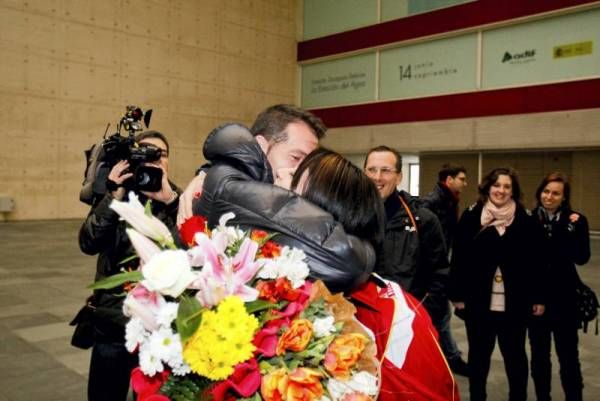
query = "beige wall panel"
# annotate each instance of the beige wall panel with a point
(283, 50)
(238, 40)
(42, 34)
(185, 62)
(42, 119)
(234, 102)
(70, 67)
(14, 27)
(153, 20)
(13, 115)
(13, 70)
(237, 72)
(275, 79)
(142, 54)
(586, 185)
(76, 82)
(104, 83)
(77, 40)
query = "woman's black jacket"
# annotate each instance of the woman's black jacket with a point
(241, 181)
(478, 252)
(104, 234)
(565, 244)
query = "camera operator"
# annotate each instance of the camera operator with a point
(104, 234)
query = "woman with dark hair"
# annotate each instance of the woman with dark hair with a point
(495, 278)
(566, 243)
(333, 183)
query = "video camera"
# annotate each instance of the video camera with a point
(103, 156)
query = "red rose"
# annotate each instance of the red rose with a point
(275, 291)
(270, 250)
(147, 387)
(244, 381)
(193, 225)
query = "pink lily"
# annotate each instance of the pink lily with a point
(143, 304)
(222, 276)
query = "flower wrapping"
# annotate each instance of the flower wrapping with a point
(235, 318)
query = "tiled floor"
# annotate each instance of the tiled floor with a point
(43, 276)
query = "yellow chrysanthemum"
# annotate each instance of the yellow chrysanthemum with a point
(217, 346)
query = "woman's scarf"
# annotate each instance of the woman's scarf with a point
(499, 217)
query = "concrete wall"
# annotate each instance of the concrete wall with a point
(70, 66)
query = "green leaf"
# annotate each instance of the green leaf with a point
(116, 280)
(189, 317)
(261, 304)
(148, 208)
(129, 259)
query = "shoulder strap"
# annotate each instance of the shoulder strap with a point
(408, 211)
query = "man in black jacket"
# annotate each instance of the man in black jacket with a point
(414, 251)
(241, 181)
(443, 201)
(285, 133)
(104, 234)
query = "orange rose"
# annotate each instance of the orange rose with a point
(304, 385)
(258, 235)
(343, 353)
(274, 386)
(356, 397)
(296, 337)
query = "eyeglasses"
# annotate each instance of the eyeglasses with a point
(383, 170)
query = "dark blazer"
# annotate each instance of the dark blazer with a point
(414, 258)
(478, 252)
(565, 245)
(444, 204)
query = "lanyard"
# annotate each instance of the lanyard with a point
(410, 215)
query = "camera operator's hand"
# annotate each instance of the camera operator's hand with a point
(192, 191)
(166, 194)
(118, 176)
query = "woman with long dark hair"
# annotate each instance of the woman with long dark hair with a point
(566, 243)
(494, 280)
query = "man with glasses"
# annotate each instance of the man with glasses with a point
(414, 251)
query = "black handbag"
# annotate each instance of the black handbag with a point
(587, 306)
(84, 334)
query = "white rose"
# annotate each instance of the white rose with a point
(270, 270)
(323, 326)
(336, 389)
(292, 266)
(168, 272)
(363, 382)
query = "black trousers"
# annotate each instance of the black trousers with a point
(110, 369)
(482, 332)
(564, 330)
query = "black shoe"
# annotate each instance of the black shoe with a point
(459, 367)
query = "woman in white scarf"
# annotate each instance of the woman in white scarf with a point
(496, 280)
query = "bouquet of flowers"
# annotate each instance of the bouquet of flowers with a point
(234, 318)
